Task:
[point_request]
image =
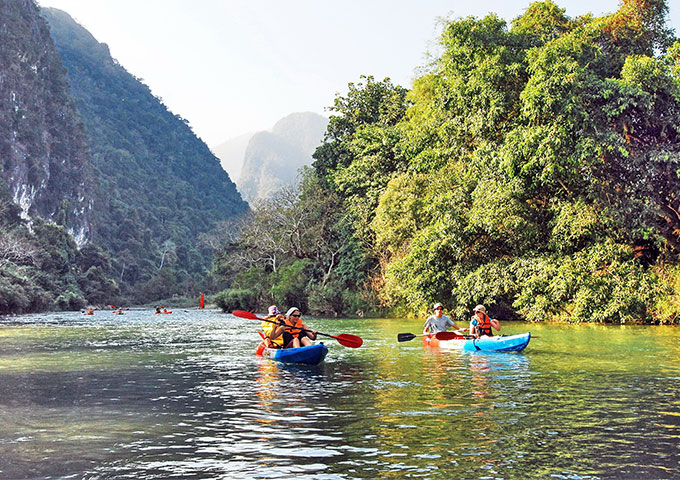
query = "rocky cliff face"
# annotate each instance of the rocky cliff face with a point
(44, 156)
(159, 185)
(272, 159)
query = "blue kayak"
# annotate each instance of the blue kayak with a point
(311, 355)
(498, 343)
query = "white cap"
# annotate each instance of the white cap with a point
(292, 310)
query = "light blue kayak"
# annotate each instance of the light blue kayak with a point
(311, 355)
(498, 343)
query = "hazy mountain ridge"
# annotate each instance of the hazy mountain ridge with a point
(272, 159)
(231, 154)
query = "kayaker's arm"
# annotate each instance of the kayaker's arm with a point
(311, 334)
(472, 329)
(277, 329)
(495, 324)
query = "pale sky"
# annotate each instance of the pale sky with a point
(237, 66)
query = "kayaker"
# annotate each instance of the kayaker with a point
(481, 324)
(275, 334)
(293, 325)
(438, 322)
(158, 309)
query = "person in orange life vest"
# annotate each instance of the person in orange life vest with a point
(275, 333)
(481, 324)
(293, 326)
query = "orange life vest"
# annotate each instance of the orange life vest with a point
(484, 325)
(294, 325)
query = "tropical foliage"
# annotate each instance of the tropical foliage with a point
(43, 268)
(158, 187)
(533, 167)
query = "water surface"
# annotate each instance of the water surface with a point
(142, 396)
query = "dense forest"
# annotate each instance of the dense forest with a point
(45, 176)
(105, 195)
(533, 167)
(43, 268)
(159, 188)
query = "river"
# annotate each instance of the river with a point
(144, 396)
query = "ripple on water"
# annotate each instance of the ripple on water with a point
(184, 397)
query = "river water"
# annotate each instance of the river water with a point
(143, 396)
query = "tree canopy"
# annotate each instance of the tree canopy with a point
(534, 167)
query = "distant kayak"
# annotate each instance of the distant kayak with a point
(310, 355)
(498, 343)
(163, 313)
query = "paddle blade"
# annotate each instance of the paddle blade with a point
(348, 340)
(447, 336)
(244, 314)
(405, 337)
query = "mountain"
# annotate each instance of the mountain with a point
(47, 185)
(158, 186)
(272, 159)
(44, 153)
(232, 152)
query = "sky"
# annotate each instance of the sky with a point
(232, 67)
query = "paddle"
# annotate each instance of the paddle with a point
(406, 337)
(345, 339)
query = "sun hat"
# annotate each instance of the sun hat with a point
(292, 310)
(437, 305)
(274, 310)
(480, 308)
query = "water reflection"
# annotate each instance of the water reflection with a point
(185, 397)
(267, 386)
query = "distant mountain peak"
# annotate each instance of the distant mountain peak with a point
(270, 160)
(231, 154)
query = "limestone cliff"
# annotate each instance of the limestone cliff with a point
(160, 188)
(44, 157)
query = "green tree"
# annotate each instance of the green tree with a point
(534, 169)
